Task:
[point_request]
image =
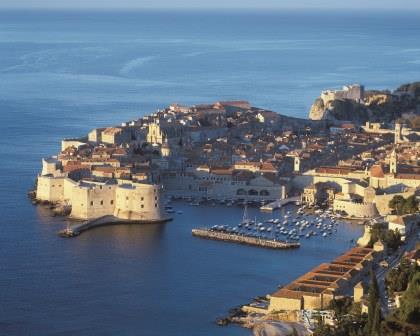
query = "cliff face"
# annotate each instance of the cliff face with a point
(318, 110)
(338, 109)
(382, 106)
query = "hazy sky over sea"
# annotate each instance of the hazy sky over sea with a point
(301, 4)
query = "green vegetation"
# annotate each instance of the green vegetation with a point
(409, 311)
(373, 325)
(406, 319)
(398, 278)
(404, 206)
(349, 320)
(392, 239)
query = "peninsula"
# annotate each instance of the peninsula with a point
(231, 152)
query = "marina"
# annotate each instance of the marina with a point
(281, 229)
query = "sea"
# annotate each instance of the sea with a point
(63, 73)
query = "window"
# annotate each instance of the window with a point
(155, 198)
(141, 198)
(112, 202)
(126, 198)
(155, 205)
(91, 203)
(102, 202)
(142, 206)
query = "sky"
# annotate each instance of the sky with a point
(162, 4)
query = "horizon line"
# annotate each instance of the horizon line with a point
(193, 8)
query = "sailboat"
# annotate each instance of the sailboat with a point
(245, 218)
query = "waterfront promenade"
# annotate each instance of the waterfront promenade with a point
(279, 203)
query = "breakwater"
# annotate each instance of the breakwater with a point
(76, 229)
(244, 239)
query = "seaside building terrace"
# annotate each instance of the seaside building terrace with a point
(316, 289)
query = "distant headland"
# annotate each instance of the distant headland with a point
(355, 104)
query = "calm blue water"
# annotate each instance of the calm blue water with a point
(62, 74)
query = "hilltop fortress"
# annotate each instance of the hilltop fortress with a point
(355, 104)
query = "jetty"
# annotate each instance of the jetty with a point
(76, 229)
(244, 239)
(279, 203)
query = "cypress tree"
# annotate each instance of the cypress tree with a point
(376, 323)
(373, 303)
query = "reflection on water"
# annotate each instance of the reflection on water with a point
(155, 270)
(127, 236)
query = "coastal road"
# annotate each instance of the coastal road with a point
(393, 261)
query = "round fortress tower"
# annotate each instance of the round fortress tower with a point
(138, 202)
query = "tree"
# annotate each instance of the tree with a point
(393, 239)
(403, 206)
(410, 205)
(409, 311)
(376, 322)
(398, 278)
(373, 305)
(396, 203)
(376, 233)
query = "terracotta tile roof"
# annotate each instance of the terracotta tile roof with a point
(104, 169)
(267, 166)
(408, 176)
(325, 277)
(334, 170)
(222, 171)
(377, 171)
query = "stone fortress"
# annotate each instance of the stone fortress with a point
(100, 184)
(353, 92)
(90, 199)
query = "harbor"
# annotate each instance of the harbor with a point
(244, 239)
(285, 229)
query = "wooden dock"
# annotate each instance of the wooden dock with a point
(244, 239)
